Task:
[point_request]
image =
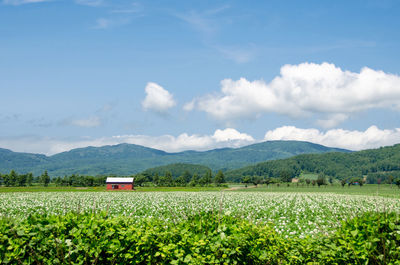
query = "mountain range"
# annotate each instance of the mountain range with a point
(127, 159)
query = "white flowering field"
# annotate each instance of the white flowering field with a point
(297, 214)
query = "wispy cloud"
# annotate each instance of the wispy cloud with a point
(237, 54)
(209, 24)
(93, 3)
(90, 122)
(107, 23)
(131, 8)
(206, 23)
(22, 2)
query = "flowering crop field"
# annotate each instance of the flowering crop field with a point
(291, 214)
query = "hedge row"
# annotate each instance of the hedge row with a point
(373, 238)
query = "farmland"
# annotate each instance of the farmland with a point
(301, 222)
(294, 213)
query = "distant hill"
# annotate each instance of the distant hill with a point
(374, 163)
(178, 169)
(127, 159)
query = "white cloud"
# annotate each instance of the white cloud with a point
(238, 55)
(157, 98)
(87, 123)
(303, 90)
(22, 2)
(189, 106)
(373, 137)
(220, 138)
(230, 134)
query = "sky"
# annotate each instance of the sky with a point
(198, 75)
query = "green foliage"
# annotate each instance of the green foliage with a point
(382, 162)
(177, 170)
(203, 238)
(45, 179)
(219, 178)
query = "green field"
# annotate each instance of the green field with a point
(305, 220)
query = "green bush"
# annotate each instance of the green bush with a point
(201, 239)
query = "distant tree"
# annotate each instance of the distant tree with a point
(45, 179)
(21, 180)
(360, 181)
(321, 179)
(397, 182)
(206, 179)
(187, 176)
(308, 181)
(331, 180)
(58, 181)
(219, 178)
(379, 181)
(156, 179)
(267, 181)
(313, 182)
(343, 182)
(285, 176)
(12, 178)
(256, 180)
(29, 179)
(195, 180)
(180, 181)
(6, 180)
(141, 179)
(246, 180)
(1, 179)
(390, 180)
(168, 181)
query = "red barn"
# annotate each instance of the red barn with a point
(120, 183)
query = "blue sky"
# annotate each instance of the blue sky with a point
(182, 75)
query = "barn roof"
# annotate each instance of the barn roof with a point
(119, 180)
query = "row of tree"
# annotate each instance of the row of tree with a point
(13, 179)
(375, 163)
(186, 179)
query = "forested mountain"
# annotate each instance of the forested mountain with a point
(375, 164)
(127, 159)
(177, 170)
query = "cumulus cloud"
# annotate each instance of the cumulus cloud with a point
(373, 137)
(220, 138)
(230, 134)
(157, 98)
(303, 90)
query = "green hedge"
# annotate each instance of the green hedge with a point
(201, 239)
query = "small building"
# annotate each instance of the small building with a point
(120, 183)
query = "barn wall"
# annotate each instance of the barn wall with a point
(126, 186)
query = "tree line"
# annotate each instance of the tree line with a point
(186, 179)
(13, 179)
(377, 164)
